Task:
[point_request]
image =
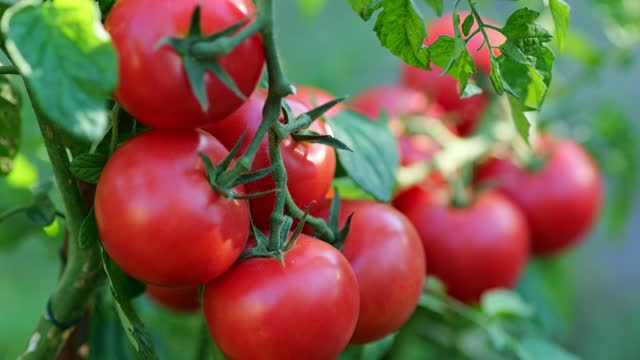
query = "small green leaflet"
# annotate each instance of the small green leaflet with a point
(437, 6)
(41, 39)
(560, 11)
(374, 160)
(520, 121)
(452, 56)
(400, 28)
(365, 8)
(10, 124)
(124, 288)
(87, 167)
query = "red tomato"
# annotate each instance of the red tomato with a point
(175, 299)
(158, 217)
(312, 97)
(387, 257)
(473, 249)
(561, 200)
(444, 89)
(153, 85)
(304, 309)
(310, 167)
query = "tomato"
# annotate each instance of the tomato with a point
(158, 217)
(153, 85)
(444, 89)
(561, 200)
(387, 257)
(306, 308)
(313, 97)
(472, 249)
(310, 167)
(175, 299)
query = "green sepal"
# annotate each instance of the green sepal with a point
(314, 137)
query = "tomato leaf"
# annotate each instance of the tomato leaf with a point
(43, 211)
(365, 8)
(349, 189)
(560, 11)
(10, 124)
(374, 160)
(400, 28)
(467, 24)
(501, 303)
(372, 351)
(88, 232)
(123, 289)
(436, 5)
(87, 167)
(452, 56)
(520, 121)
(533, 348)
(66, 56)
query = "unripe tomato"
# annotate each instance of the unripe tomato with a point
(387, 257)
(306, 308)
(444, 89)
(471, 249)
(310, 167)
(561, 200)
(158, 217)
(185, 300)
(153, 84)
(312, 97)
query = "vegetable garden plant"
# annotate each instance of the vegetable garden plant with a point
(301, 225)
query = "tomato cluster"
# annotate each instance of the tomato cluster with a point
(164, 223)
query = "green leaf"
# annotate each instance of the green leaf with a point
(467, 24)
(87, 167)
(349, 189)
(521, 27)
(43, 211)
(365, 8)
(452, 56)
(105, 7)
(538, 348)
(437, 6)
(496, 77)
(520, 121)
(372, 351)
(88, 232)
(311, 8)
(10, 124)
(124, 288)
(5, 4)
(66, 56)
(374, 160)
(400, 28)
(107, 339)
(500, 303)
(560, 11)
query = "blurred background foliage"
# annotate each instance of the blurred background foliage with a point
(586, 300)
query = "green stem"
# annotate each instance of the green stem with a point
(223, 46)
(83, 273)
(482, 26)
(319, 226)
(9, 70)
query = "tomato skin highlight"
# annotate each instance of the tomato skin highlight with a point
(444, 89)
(183, 300)
(561, 200)
(153, 84)
(473, 249)
(387, 257)
(306, 309)
(310, 167)
(158, 217)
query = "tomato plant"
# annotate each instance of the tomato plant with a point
(387, 257)
(472, 248)
(310, 301)
(158, 217)
(138, 27)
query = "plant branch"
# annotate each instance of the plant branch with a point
(83, 273)
(9, 70)
(482, 26)
(224, 45)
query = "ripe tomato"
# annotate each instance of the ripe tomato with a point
(312, 97)
(153, 85)
(472, 249)
(444, 89)
(310, 167)
(387, 257)
(561, 200)
(158, 217)
(304, 309)
(175, 299)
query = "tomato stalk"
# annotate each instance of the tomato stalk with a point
(83, 273)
